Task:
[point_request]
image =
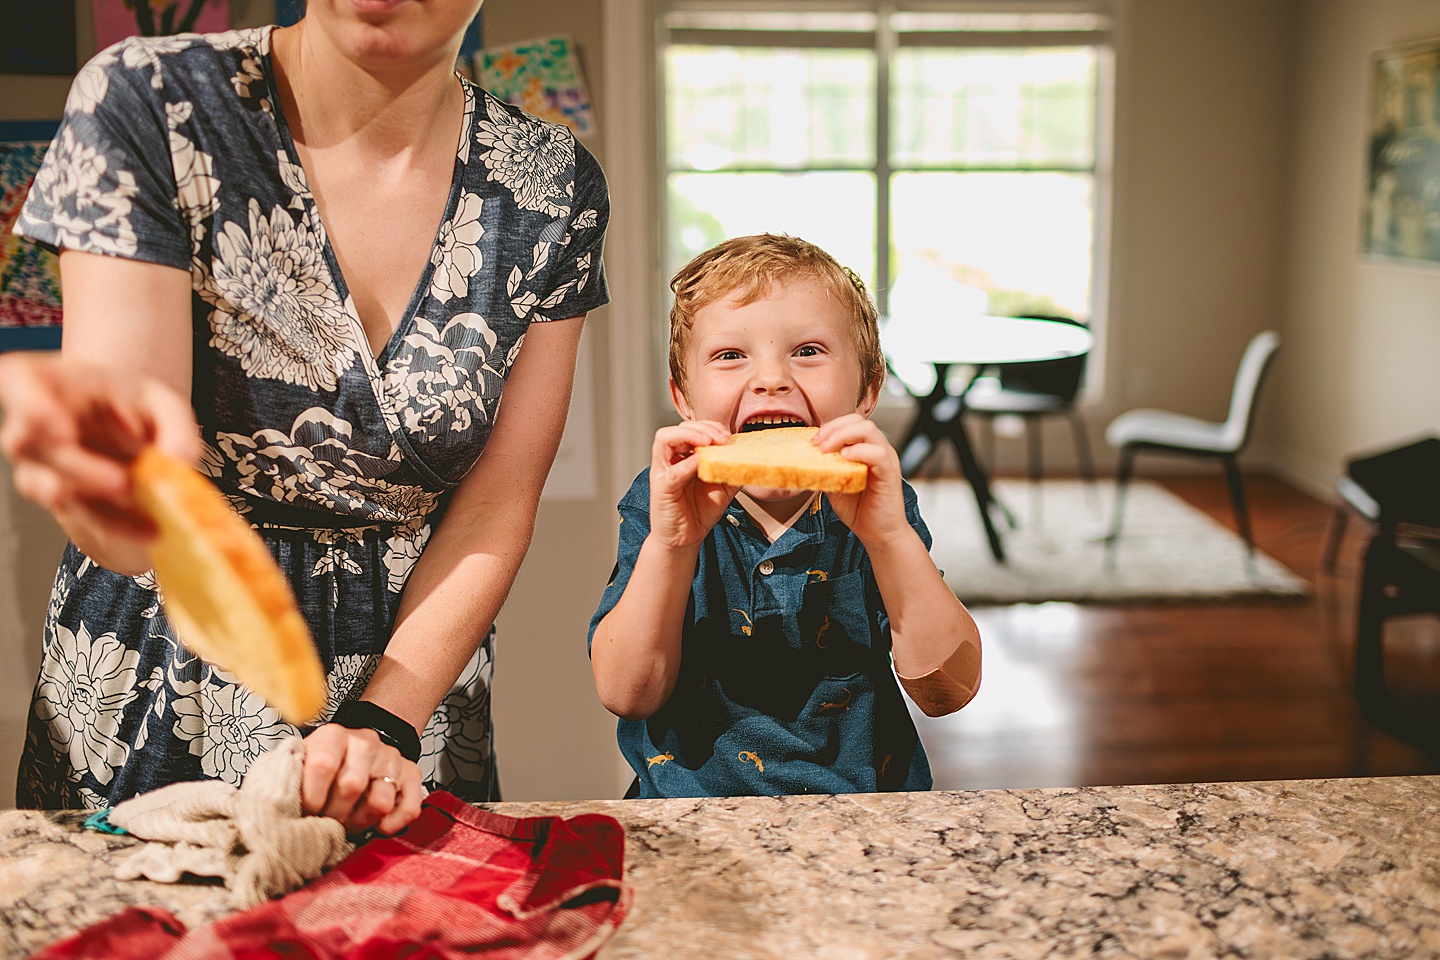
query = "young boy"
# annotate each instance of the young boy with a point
(746, 636)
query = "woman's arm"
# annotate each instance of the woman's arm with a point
(465, 572)
(74, 422)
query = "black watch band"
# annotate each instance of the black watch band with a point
(364, 715)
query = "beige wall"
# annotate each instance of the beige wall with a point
(1200, 149)
(1362, 337)
(554, 738)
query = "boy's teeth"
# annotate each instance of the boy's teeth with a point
(761, 423)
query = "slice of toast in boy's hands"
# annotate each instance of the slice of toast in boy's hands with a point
(224, 594)
(782, 458)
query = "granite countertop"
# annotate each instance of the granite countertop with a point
(1315, 868)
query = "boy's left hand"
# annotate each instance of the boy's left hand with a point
(877, 513)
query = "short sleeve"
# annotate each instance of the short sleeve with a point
(912, 514)
(107, 184)
(634, 528)
(578, 283)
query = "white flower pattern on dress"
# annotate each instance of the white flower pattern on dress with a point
(196, 188)
(435, 387)
(227, 726)
(402, 552)
(314, 464)
(463, 750)
(293, 176)
(457, 256)
(89, 202)
(347, 679)
(276, 310)
(85, 685)
(88, 90)
(136, 55)
(528, 158)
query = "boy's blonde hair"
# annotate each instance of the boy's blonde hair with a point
(747, 268)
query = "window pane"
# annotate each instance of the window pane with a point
(729, 107)
(834, 210)
(1023, 239)
(994, 107)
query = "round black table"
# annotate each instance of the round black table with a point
(978, 341)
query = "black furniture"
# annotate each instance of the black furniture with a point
(1031, 391)
(974, 342)
(1401, 571)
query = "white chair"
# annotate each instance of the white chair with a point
(1163, 430)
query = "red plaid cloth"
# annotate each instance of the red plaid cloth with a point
(456, 882)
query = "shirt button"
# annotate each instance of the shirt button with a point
(734, 520)
(766, 568)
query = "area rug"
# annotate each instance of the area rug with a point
(1168, 550)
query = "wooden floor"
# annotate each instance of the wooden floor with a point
(1188, 692)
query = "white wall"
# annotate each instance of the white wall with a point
(1366, 334)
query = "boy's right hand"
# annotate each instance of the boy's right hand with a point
(683, 507)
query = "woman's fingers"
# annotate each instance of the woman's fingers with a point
(85, 426)
(352, 777)
(409, 792)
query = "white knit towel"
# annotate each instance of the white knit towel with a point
(255, 838)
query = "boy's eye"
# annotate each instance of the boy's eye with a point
(728, 355)
(809, 350)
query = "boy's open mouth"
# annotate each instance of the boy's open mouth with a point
(770, 422)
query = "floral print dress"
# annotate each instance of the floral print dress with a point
(175, 151)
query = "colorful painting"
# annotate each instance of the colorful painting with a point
(29, 275)
(1402, 205)
(117, 19)
(541, 77)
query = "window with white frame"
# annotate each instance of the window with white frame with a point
(960, 144)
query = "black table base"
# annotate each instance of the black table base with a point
(940, 417)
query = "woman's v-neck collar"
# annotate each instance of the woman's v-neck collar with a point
(373, 363)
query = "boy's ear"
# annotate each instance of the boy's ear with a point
(868, 401)
(682, 405)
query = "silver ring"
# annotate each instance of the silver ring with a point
(390, 780)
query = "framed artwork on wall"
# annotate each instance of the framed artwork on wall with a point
(541, 77)
(29, 275)
(1402, 198)
(117, 19)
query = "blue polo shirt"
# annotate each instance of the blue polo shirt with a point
(786, 684)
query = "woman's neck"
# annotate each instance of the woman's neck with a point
(330, 100)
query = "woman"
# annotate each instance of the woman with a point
(242, 219)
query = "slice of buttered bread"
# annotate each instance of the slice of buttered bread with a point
(783, 458)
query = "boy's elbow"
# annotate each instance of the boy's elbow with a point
(626, 703)
(949, 687)
(947, 702)
(626, 708)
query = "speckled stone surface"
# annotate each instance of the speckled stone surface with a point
(1302, 869)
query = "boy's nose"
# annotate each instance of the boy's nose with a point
(771, 380)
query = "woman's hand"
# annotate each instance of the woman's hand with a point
(683, 507)
(876, 513)
(71, 429)
(354, 778)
